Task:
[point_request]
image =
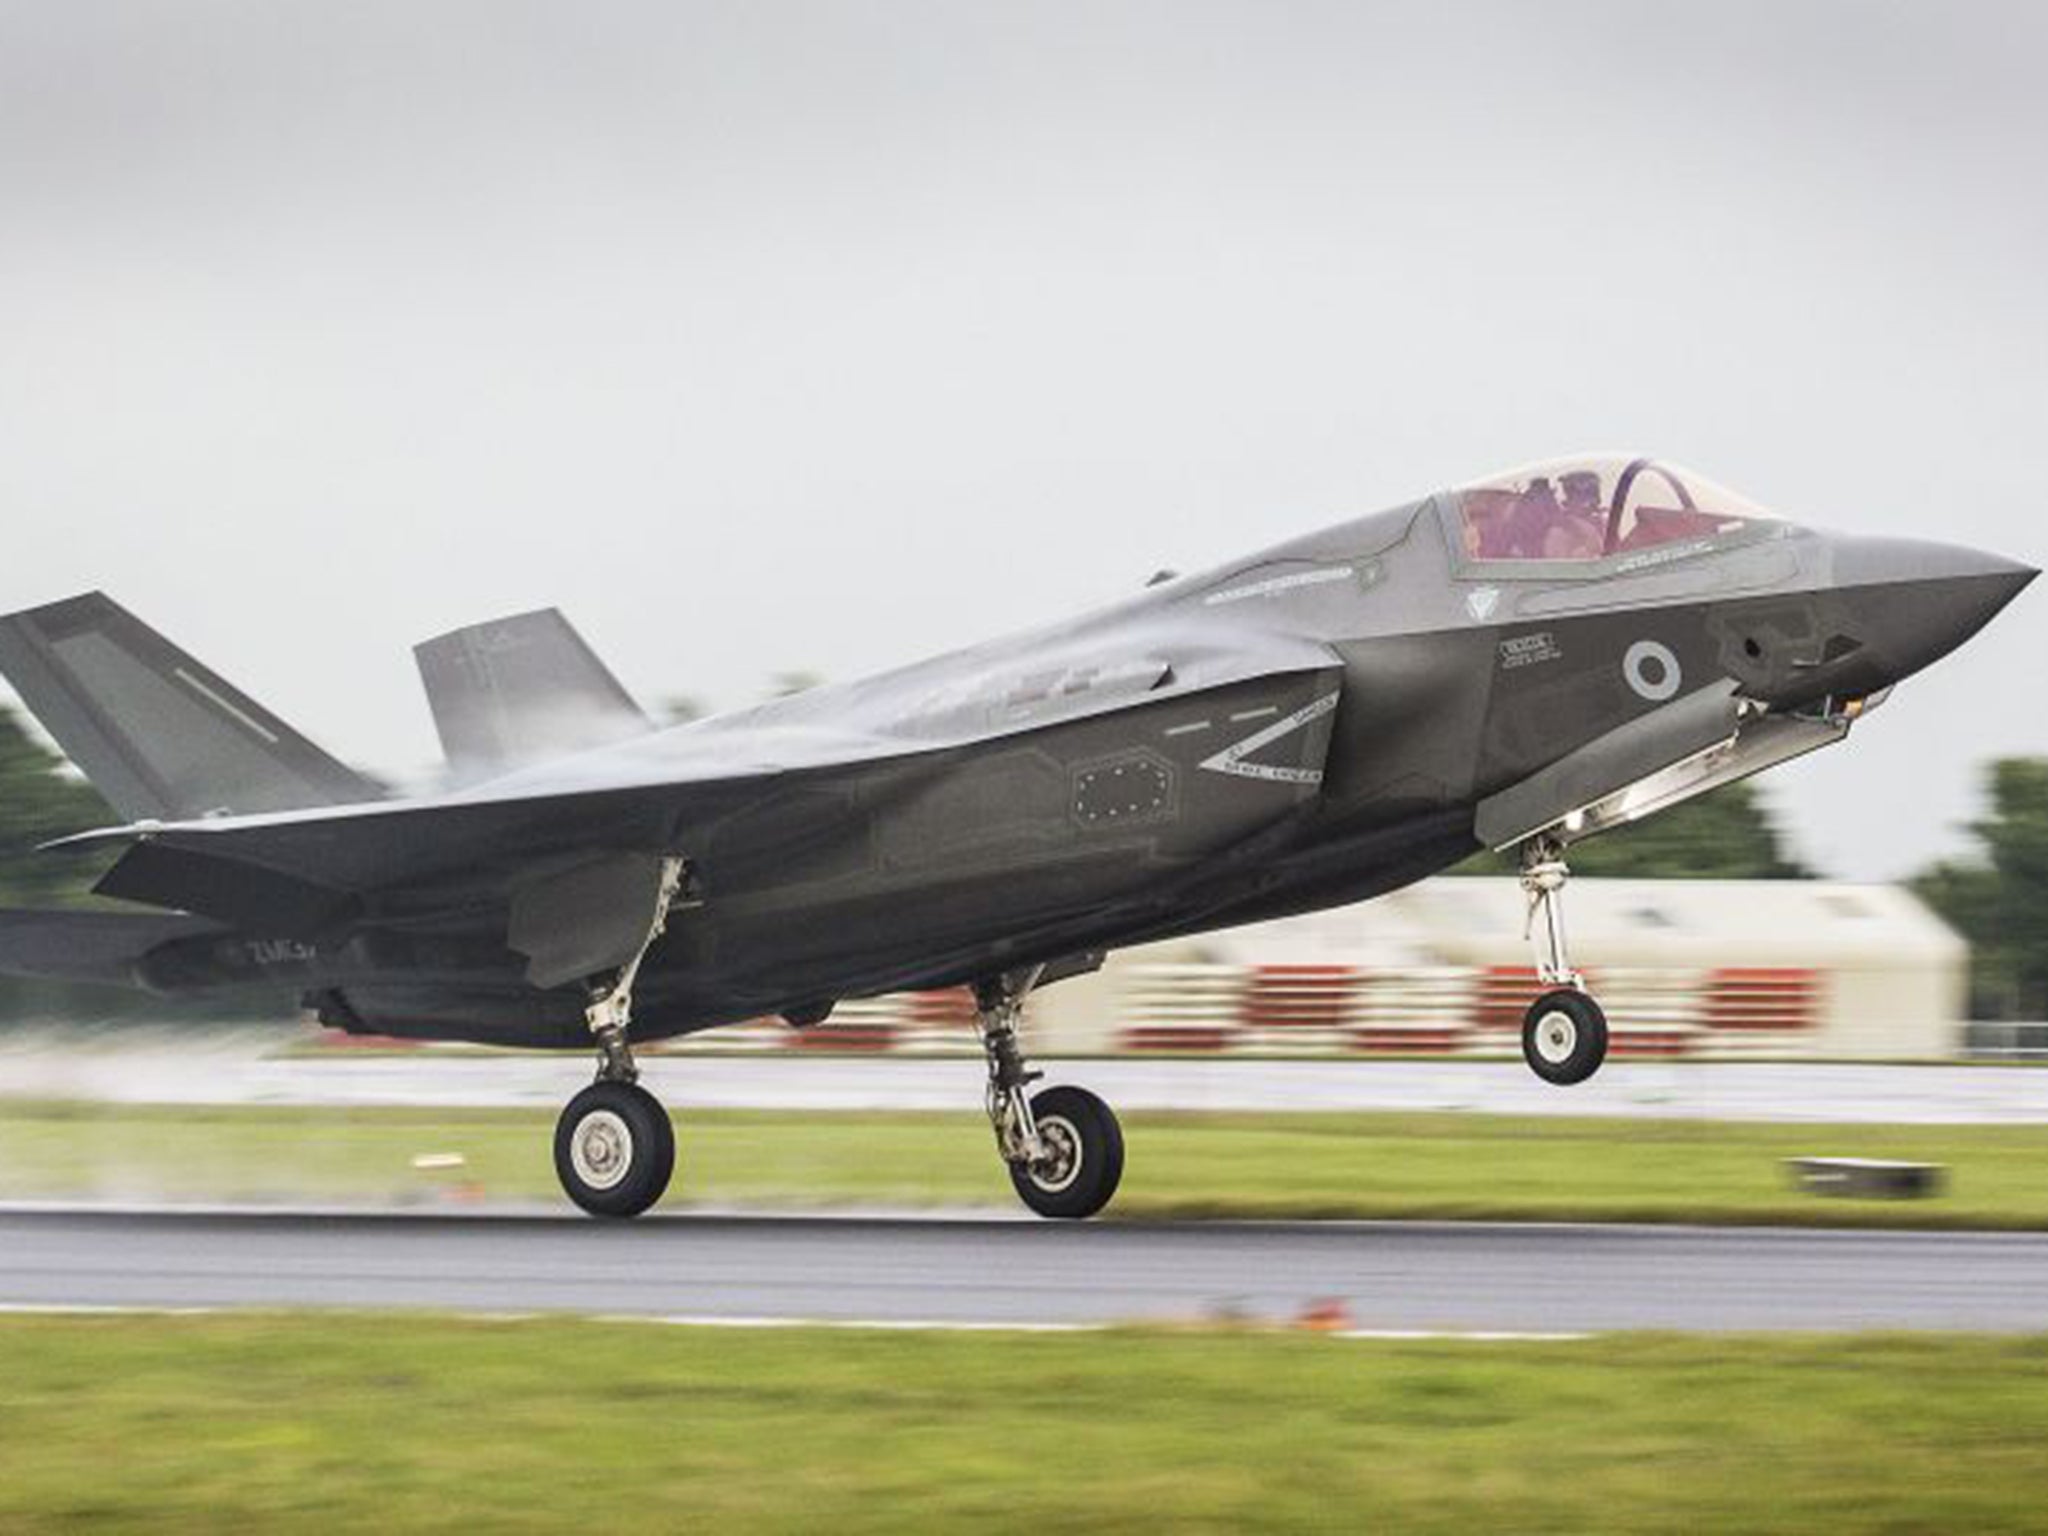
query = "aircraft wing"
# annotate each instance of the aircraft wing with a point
(301, 873)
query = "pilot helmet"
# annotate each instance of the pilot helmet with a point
(1581, 488)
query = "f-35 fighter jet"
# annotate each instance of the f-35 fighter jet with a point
(1513, 664)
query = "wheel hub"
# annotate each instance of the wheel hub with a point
(1557, 1036)
(601, 1150)
(1061, 1164)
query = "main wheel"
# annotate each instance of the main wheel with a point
(1564, 1036)
(1084, 1155)
(614, 1149)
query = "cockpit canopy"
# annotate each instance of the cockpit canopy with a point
(1616, 510)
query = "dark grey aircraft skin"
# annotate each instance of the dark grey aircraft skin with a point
(1312, 725)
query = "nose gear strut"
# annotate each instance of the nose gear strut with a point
(1544, 873)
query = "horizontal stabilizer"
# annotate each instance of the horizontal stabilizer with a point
(521, 690)
(89, 946)
(160, 735)
(253, 898)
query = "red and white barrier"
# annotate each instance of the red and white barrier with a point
(1342, 1011)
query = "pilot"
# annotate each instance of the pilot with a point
(1581, 526)
(1582, 492)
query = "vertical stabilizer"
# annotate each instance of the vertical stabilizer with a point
(521, 690)
(159, 734)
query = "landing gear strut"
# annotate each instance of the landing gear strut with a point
(615, 1148)
(1564, 1033)
(1064, 1148)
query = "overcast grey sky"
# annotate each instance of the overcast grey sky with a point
(776, 336)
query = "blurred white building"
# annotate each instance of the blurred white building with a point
(1683, 967)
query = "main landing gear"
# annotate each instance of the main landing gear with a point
(1064, 1148)
(615, 1149)
(1564, 1033)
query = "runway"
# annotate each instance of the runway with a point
(1393, 1276)
(245, 1066)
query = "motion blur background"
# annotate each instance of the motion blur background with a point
(778, 341)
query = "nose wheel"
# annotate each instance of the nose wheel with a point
(1564, 1033)
(1564, 1036)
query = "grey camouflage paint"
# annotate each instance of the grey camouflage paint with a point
(1313, 725)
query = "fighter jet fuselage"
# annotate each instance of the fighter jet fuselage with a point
(1512, 664)
(1312, 725)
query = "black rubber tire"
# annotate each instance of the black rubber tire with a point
(1081, 1122)
(1564, 1036)
(639, 1130)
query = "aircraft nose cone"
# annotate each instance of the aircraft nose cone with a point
(1915, 601)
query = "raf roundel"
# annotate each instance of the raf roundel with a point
(1652, 670)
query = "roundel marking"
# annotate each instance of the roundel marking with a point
(1651, 668)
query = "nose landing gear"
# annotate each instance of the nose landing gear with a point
(1064, 1148)
(1564, 1032)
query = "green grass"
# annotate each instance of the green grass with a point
(1453, 1166)
(319, 1423)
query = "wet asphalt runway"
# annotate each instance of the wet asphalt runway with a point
(245, 1067)
(883, 1269)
